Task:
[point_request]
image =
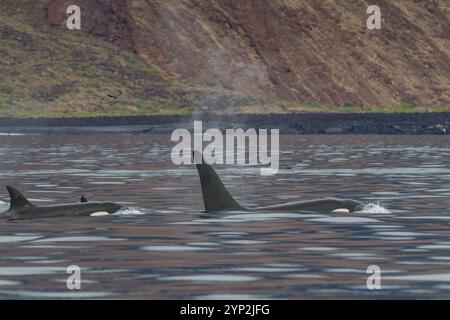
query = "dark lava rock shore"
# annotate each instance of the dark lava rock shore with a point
(300, 123)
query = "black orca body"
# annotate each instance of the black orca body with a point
(217, 198)
(20, 208)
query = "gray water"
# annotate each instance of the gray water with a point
(165, 247)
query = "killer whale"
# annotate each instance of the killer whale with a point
(21, 208)
(217, 198)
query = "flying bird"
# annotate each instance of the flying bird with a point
(115, 97)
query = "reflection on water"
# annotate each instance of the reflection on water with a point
(165, 247)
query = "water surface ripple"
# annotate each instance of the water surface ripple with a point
(165, 247)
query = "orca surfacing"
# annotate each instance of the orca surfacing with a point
(21, 208)
(217, 198)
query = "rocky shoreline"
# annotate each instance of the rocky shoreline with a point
(300, 123)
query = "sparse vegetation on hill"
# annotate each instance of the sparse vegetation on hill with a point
(48, 71)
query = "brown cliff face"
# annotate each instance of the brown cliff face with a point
(303, 50)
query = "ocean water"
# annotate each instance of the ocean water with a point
(164, 246)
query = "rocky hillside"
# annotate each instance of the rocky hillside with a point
(229, 55)
(46, 71)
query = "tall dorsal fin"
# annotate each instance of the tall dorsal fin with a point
(215, 196)
(18, 200)
(83, 199)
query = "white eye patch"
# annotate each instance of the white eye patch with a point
(99, 214)
(341, 210)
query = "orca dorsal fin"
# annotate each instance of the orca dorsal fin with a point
(83, 199)
(18, 200)
(215, 196)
